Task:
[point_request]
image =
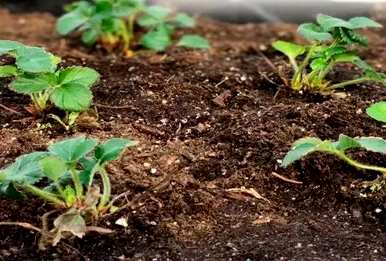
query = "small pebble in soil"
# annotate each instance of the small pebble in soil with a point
(153, 171)
(378, 210)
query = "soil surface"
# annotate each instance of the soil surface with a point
(210, 125)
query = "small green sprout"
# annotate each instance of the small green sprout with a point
(112, 23)
(331, 40)
(36, 74)
(308, 145)
(377, 111)
(64, 176)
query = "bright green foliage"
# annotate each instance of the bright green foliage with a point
(377, 111)
(112, 22)
(332, 40)
(305, 146)
(36, 74)
(68, 169)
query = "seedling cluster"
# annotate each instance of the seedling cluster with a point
(113, 22)
(332, 41)
(65, 177)
(36, 73)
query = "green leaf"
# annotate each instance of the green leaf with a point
(154, 15)
(70, 22)
(319, 64)
(184, 20)
(374, 144)
(72, 97)
(292, 50)
(158, 39)
(194, 41)
(7, 46)
(312, 31)
(35, 60)
(53, 168)
(299, 149)
(363, 22)
(345, 142)
(33, 83)
(90, 36)
(88, 166)
(8, 71)
(71, 150)
(111, 149)
(377, 111)
(25, 170)
(328, 22)
(104, 7)
(79, 75)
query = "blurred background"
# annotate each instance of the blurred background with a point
(239, 11)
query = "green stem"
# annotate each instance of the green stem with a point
(296, 79)
(346, 83)
(360, 165)
(47, 196)
(106, 188)
(77, 183)
(324, 72)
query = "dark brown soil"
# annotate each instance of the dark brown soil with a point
(208, 122)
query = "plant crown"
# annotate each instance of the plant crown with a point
(331, 43)
(64, 176)
(112, 22)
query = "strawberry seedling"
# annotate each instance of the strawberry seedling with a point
(36, 74)
(306, 146)
(331, 43)
(64, 176)
(112, 23)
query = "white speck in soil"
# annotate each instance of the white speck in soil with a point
(378, 210)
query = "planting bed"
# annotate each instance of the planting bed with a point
(208, 122)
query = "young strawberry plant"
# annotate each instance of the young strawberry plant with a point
(36, 73)
(306, 146)
(331, 42)
(64, 176)
(112, 23)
